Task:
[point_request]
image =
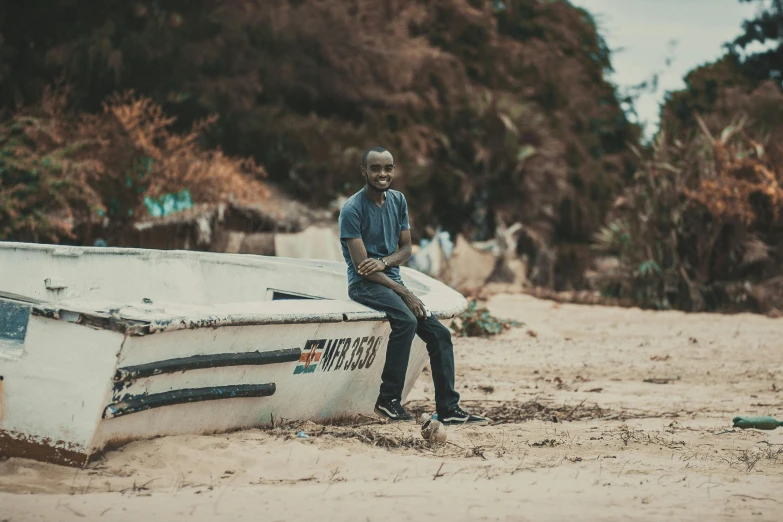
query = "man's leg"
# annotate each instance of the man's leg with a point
(441, 351)
(403, 329)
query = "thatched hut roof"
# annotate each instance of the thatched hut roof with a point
(205, 226)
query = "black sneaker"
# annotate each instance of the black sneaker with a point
(392, 410)
(460, 416)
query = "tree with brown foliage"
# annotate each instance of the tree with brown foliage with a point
(701, 227)
(63, 171)
(495, 110)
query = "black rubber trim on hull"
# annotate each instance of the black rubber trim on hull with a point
(198, 362)
(171, 398)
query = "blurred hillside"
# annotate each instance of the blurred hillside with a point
(495, 111)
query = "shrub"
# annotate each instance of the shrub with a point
(701, 227)
(478, 322)
(60, 170)
(45, 183)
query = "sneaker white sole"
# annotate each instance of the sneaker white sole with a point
(460, 422)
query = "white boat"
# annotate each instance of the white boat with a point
(102, 346)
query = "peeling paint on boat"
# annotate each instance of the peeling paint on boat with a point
(125, 344)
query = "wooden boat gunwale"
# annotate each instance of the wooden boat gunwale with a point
(102, 317)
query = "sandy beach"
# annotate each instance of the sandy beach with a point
(600, 414)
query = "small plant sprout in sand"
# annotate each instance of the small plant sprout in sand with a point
(476, 321)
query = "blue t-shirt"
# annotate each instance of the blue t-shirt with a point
(379, 228)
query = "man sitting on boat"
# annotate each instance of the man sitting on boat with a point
(376, 240)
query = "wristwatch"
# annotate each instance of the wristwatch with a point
(382, 260)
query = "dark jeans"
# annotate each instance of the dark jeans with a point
(404, 326)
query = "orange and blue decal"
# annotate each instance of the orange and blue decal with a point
(310, 357)
(338, 354)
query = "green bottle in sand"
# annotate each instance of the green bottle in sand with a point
(759, 423)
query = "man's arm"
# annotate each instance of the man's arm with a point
(397, 258)
(403, 252)
(358, 254)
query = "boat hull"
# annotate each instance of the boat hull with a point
(94, 389)
(336, 373)
(54, 389)
(99, 347)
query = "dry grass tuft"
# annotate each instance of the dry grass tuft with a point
(503, 412)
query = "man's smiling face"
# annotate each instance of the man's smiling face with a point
(379, 171)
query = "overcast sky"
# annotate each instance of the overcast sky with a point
(641, 33)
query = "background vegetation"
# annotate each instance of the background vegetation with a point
(701, 225)
(499, 108)
(497, 111)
